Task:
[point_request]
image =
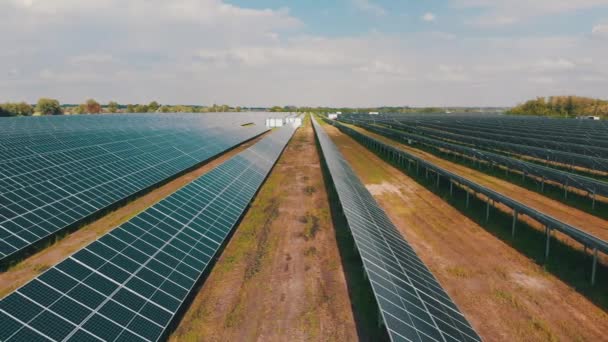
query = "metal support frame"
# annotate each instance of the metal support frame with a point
(468, 195)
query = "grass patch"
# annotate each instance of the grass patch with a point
(310, 251)
(271, 212)
(234, 317)
(310, 190)
(507, 298)
(540, 326)
(312, 227)
(459, 272)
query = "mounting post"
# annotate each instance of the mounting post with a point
(488, 210)
(548, 232)
(542, 185)
(515, 214)
(467, 198)
(451, 188)
(594, 266)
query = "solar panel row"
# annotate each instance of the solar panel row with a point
(130, 284)
(413, 305)
(20, 131)
(62, 182)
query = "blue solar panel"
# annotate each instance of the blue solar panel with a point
(130, 284)
(413, 305)
(55, 179)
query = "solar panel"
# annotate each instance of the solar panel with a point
(412, 303)
(130, 284)
(55, 179)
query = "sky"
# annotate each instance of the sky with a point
(356, 53)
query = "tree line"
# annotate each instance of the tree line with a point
(46, 106)
(562, 106)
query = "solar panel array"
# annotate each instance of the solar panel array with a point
(130, 284)
(591, 185)
(413, 304)
(52, 179)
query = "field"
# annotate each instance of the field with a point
(164, 228)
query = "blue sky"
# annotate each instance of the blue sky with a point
(330, 53)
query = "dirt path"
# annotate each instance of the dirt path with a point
(280, 277)
(578, 218)
(505, 295)
(29, 268)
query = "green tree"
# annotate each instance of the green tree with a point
(153, 107)
(80, 109)
(16, 109)
(24, 109)
(276, 109)
(141, 109)
(92, 107)
(130, 108)
(112, 107)
(48, 106)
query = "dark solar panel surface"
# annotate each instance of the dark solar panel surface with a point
(129, 284)
(413, 304)
(56, 178)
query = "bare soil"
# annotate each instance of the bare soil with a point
(280, 277)
(506, 296)
(32, 266)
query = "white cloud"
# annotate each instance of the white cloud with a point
(206, 51)
(370, 7)
(509, 12)
(429, 17)
(558, 64)
(541, 80)
(600, 30)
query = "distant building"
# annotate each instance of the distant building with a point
(374, 113)
(280, 122)
(333, 116)
(588, 117)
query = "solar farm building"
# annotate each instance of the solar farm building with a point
(293, 227)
